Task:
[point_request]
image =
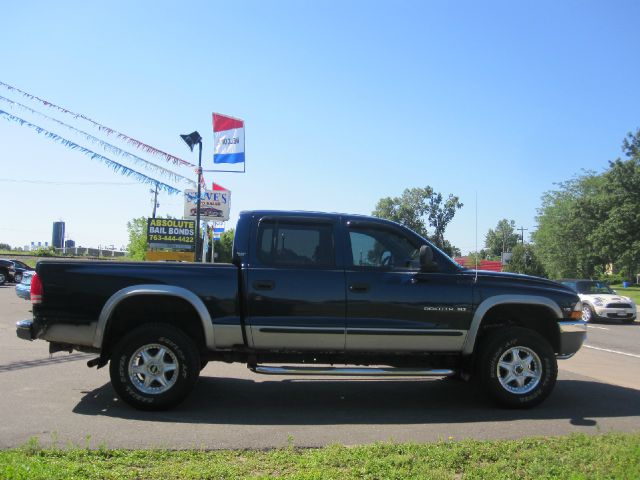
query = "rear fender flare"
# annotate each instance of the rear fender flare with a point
(489, 303)
(163, 290)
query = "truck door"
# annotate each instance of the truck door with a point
(296, 291)
(393, 306)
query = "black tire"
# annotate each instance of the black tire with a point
(139, 380)
(532, 367)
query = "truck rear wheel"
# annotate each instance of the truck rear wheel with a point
(154, 367)
(517, 367)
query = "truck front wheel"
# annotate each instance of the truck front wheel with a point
(154, 367)
(518, 368)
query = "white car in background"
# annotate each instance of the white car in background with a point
(600, 302)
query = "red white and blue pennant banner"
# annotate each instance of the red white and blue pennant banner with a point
(117, 167)
(105, 145)
(102, 128)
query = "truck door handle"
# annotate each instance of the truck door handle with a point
(264, 284)
(359, 287)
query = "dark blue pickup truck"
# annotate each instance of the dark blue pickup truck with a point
(309, 294)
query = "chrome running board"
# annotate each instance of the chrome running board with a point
(352, 372)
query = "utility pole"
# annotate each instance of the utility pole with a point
(155, 199)
(522, 229)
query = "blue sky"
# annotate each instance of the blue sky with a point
(345, 102)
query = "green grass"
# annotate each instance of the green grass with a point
(633, 292)
(574, 457)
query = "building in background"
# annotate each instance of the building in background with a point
(57, 239)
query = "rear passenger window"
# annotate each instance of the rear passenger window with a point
(296, 244)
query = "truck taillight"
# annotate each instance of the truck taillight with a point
(36, 290)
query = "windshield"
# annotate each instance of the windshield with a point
(591, 288)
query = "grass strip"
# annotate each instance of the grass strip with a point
(632, 291)
(577, 456)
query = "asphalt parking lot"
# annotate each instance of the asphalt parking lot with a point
(59, 400)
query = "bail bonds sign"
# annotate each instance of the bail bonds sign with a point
(214, 204)
(171, 233)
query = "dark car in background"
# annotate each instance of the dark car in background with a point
(20, 268)
(7, 271)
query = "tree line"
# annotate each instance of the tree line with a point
(588, 227)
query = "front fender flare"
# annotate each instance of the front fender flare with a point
(489, 303)
(153, 289)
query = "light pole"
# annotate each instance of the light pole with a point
(191, 140)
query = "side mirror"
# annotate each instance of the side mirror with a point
(426, 259)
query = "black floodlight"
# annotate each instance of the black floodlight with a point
(192, 139)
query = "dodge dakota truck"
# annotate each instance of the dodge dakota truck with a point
(309, 293)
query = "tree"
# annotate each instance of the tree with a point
(566, 221)
(593, 221)
(617, 206)
(474, 258)
(224, 246)
(5, 246)
(524, 260)
(451, 250)
(49, 251)
(138, 246)
(419, 207)
(502, 239)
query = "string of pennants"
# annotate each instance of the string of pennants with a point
(107, 147)
(117, 167)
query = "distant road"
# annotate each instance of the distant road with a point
(60, 400)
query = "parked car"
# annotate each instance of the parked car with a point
(309, 288)
(23, 289)
(20, 268)
(600, 302)
(7, 271)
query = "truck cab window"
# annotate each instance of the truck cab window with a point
(383, 248)
(296, 244)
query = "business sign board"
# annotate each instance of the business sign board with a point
(214, 204)
(161, 256)
(171, 233)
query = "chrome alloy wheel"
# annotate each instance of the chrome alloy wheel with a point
(153, 369)
(586, 313)
(519, 370)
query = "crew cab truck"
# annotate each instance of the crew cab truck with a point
(309, 294)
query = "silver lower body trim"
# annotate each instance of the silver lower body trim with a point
(70, 333)
(355, 372)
